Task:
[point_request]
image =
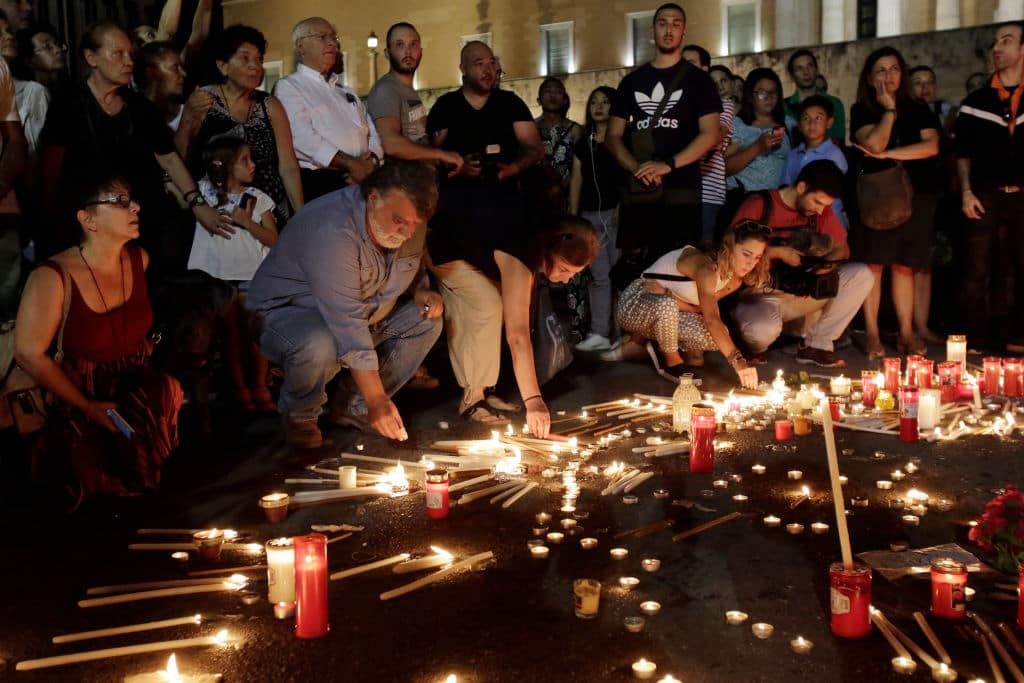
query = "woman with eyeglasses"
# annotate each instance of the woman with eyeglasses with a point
(101, 126)
(757, 154)
(889, 127)
(240, 110)
(675, 303)
(115, 418)
(42, 56)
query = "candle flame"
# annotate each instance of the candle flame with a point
(451, 679)
(442, 552)
(235, 578)
(172, 669)
(236, 582)
(806, 491)
(222, 636)
(198, 618)
(229, 534)
(509, 430)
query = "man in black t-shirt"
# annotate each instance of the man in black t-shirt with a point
(685, 131)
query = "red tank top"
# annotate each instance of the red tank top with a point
(104, 337)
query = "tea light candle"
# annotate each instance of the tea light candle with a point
(969, 593)
(180, 556)
(628, 583)
(860, 501)
(618, 553)
(795, 474)
(543, 518)
(944, 674)
(819, 528)
(920, 510)
(801, 645)
(650, 607)
(644, 669)
(633, 624)
(630, 499)
(758, 469)
(843, 479)
(555, 537)
(762, 630)
(739, 498)
(910, 468)
(944, 505)
(661, 493)
(904, 665)
(284, 610)
(795, 529)
(911, 520)
(735, 617)
(588, 543)
(840, 385)
(568, 523)
(650, 564)
(720, 483)
(669, 679)
(883, 484)
(539, 552)
(899, 546)
(539, 530)
(771, 521)
(897, 475)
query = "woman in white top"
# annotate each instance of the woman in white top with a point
(680, 311)
(234, 258)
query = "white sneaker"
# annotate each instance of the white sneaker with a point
(594, 342)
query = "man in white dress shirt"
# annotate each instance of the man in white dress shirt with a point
(335, 140)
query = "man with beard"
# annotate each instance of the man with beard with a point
(666, 152)
(803, 69)
(396, 109)
(761, 314)
(328, 295)
(337, 145)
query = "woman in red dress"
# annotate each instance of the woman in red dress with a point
(99, 359)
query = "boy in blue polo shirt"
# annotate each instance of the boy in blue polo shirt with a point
(815, 116)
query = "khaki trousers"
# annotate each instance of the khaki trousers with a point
(473, 318)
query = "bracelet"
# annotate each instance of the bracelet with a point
(527, 400)
(736, 357)
(189, 194)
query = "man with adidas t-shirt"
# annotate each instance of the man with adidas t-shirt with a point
(685, 131)
(761, 315)
(990, 163)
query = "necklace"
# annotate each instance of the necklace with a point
(103, 300)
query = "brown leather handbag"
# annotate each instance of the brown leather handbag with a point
(885, 198)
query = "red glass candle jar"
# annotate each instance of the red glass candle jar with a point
(949, 379)
(923, 371)
(851, 600)
(702, 438)
(909, 397)
(311, 586)
(891, 368)
(834, 405)
(912, 362)
(1012, 377)
(868, 388)
(437, 494)
(992, 369)
(1020, 596)
(949, 579)
(783, 430)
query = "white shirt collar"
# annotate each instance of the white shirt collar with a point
(314, 74)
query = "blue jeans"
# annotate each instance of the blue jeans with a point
(299, 341)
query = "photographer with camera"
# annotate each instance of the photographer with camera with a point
(801, 218)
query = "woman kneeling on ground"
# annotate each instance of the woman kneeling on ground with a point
(676, 306)
(488, 282)
(95, 360)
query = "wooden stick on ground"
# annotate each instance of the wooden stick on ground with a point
(646, 530)
(929, 661)
(932, 638)
(1012, 639)
(1011, 666)
(997, 673)
(707, 525)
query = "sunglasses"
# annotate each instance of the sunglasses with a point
(750, 228)
(122, 200)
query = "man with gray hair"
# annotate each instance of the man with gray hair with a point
(335, 140)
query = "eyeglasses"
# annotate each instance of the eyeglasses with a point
(766, 94)
(325, 37)
(749, 228)
(122, 200)
(51, 47)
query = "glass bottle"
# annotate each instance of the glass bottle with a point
(685, 396)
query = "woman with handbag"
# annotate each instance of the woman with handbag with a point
(486, 278)
(115, 419)
(896, 191)
(675, 303)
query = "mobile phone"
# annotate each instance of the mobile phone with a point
(120, 423)
(247, 201)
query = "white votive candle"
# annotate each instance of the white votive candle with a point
(801, 645)
(762, 630)
(819, 528)
(734, 617)
(771, 521)
(618, 553)
(795, 474)
(644, 669)
(795, 529)
(650, 607)
(758, 469)
(539, 551)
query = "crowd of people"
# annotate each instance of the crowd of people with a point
(349, 235)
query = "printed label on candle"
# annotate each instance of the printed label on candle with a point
(840, 602)
(908, 410)
(434, 499)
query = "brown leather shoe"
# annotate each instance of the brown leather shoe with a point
(303, 434)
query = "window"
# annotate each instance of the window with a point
(889, 20)
(741, 26)
(639, 38)
(867, 18)
(484, 38)
(556, 48)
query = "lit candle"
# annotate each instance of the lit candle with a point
(944, 674)
(758, 469)
(539, 551)
(771, 521)
(650, 564)
(928, 409)
(311, 586)
(949, 578)
(628, 583)
(702, 438)
(795, 529)
(896, 475)
(440, 558)
(904, 665)
(280, 571)
(840, 385)
(801, 645)
(801, 425)
(555, 537)
(588, 543)
(891, 368)
(911, 520)
(794, 474)
(568, 523)
(644, 669)
(618, 553)
(992, 367)
(783, 430)
(275, 506)
(209, 543)
(543, 518)
(735, 617)
(819, 528)
(910, 468)
(31, 664)
(650, 607)
(634, 624)
(762, 630)
(956, 350)
(883, 484)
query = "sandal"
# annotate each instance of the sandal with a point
(481, 412)
(498, 403)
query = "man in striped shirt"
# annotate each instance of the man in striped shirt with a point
(990, 164)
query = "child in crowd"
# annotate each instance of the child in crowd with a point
(815, 116)
(234, 258)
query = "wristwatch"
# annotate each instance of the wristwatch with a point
(197, 200)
